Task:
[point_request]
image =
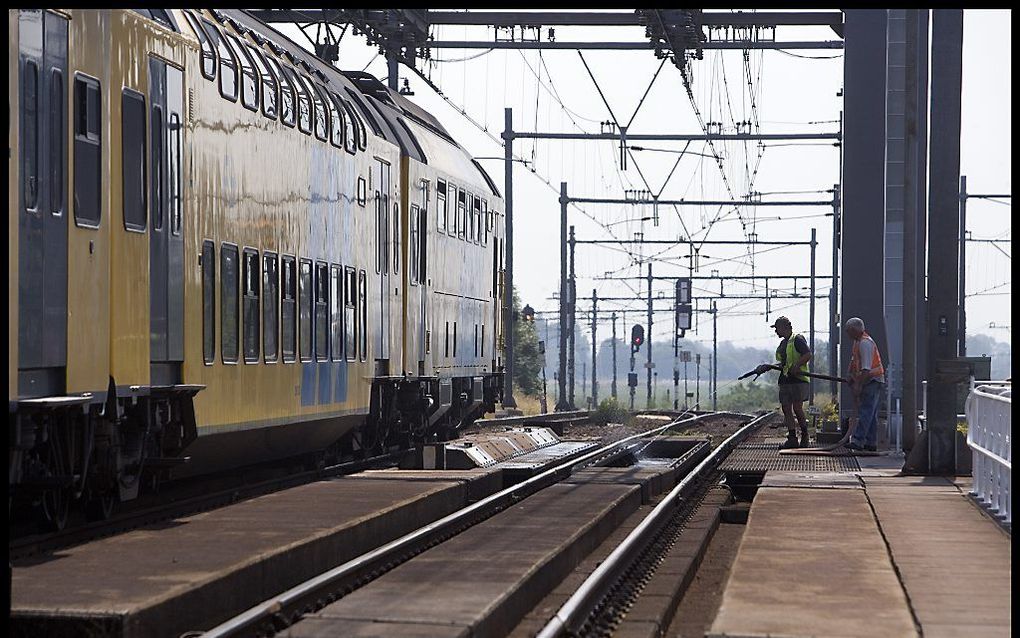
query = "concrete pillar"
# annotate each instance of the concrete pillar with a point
(863, 189)
(944, 235)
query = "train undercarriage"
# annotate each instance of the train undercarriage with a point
(76, 451)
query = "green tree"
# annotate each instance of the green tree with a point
(527, 360)
(750, 397)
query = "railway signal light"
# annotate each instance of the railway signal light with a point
(683, 317)
(683, 290)
(528, 313)
(637, 337)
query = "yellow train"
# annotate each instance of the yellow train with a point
(224, 250)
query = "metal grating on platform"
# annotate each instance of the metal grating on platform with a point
(748, 459)
(764, 444)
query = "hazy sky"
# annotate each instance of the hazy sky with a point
(552, 92)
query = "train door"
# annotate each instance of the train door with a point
(42, 219)
(382, 258)
(166, 239)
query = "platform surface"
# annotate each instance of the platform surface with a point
(158, 580)
(867, 553)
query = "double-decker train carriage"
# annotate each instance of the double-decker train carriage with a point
(227, 251)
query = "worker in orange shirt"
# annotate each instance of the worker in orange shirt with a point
(867, 379)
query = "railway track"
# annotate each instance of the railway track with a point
(288, 608)
(603, 598)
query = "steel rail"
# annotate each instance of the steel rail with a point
(573, 613)
(290, 604)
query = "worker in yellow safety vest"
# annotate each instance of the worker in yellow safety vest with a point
(792, 356)
(867, 378)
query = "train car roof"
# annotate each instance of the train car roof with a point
(390, 115)
(244, 23)
(432, 137)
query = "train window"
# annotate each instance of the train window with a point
(174, 172)
(476, 221)
(286, 92)
(350, 313)
(87, 151)
(288, 302)
(321, 123)
(58, 159)
(158, 15)
(336, 126)
(362, 132)
(362, 191)
(228, 65)
(268, 80)
(446, 349)
(397, 252)
(454, 339)
(412, 244)
(30, 154)
(462, 214)
(321, 311)
(304, 104)
(305, 309)
(250, 304)
(380, 232)
(487, 216)
(132, 118)
(208, 52)
(363, 324)
(354, 135)
(476, 340)
(270, 306)
(359, 115)
(208, 302)
(423, 223)
(441, 220)
(345, 135)
(451, 219)
(228, 302)
(483, 339)
(336, 297)
(156, 148)
(249, 83)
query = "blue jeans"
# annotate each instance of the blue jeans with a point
(866, 432)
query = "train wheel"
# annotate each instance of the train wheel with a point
(369, 439)
(56, 503)
(99, 505)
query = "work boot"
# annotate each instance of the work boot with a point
(804, 437)
(791, 441)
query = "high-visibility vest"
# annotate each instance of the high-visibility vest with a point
(875, 370)
(791, 357)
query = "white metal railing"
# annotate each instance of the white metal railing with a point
(989, 433)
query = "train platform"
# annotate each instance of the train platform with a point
(485, 580)
(845, 546)
(159, 580)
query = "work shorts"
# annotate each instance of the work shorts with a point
(792, 393)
